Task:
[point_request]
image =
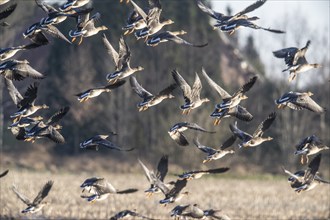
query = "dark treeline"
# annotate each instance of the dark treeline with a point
(72, 69)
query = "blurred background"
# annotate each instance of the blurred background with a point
(229, 60)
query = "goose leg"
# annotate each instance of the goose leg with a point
(113, 81)
(81, 39)
(216, 122)
(146, 39)
(131, 31)
(292, 76)
(127, 32)
(148, 195)
(17, 118)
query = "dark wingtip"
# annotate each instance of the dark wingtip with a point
(127, 191)
(272, 115)
(201, 45)
(129, 149)
(4, 173)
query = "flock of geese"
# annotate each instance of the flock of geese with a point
(148, 25)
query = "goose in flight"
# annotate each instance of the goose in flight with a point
(99, 189)
(230, 104)
(86, 27)
(215, 154)
(25, 104)
(299, 101)
(37, 204)
(199, 173)
(98, 141)
(191, 95)
(176, 132)
(257, 137)
(19, 70)
(160, 174)
(129, 214)
(94, 92)
(152, 19)
(48, 129)
(295, 60)
(305, 180)
(309, 146)
(121, 60)
(149, 99)
(172, 36)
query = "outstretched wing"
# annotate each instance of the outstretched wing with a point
(13, 92)
(265, 125)
(307, 102)
(162, 167)
(21, 196)
(139, 10)
(250, 8)
(149, 174)
(124, 53)
(220, 91)
(55, 32)
(113, 146)
(247, 86)
(179, 40)
(203, 148)
(186, 90)
(312, 169)
(111, 51)
(294, 176)
(217, 170)
(168, 90)
(4, 173)
(5, 13)
(138, 89)
(29, 96)
(209, 11)
(196, 88)
(155, 4)
(239, 133)
(58, 115)
(47, 8)
(178, 186)
(43, 192)
(240, 113)
(229, 142)
(196, 127)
